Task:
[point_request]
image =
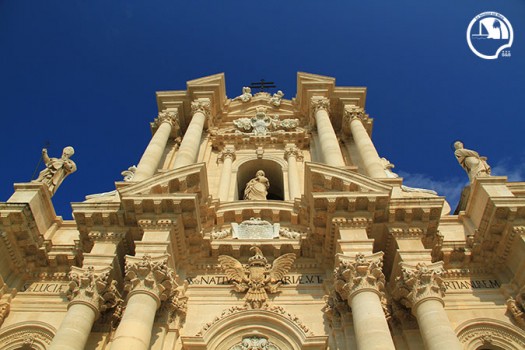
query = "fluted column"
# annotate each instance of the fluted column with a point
(327, 139)
(421, 288)
(227, 156)
(149, 281)
(91, 292)
(361, 282)
(150, 159)
(292, 154)
(354, 116)
(189, 147)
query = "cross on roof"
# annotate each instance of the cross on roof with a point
(261, 85)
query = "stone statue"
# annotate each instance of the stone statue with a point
(56, 169)
(275, 100)
(474, 165)
(246, 94)
(257, 188)
(387, 166)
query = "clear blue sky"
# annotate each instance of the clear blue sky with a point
(84, 73)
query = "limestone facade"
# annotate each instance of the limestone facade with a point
(340, 255)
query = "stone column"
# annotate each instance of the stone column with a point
(189, 148)
(226, 157)
(149, 281)
(150, 159)
(91, 292)
(354, 116)
(328, 140)
(292, 154)
(361, 283)
(421, 288)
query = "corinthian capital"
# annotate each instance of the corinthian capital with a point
(419, 283)
(363, 273)
(171, 117)
(150, 275)
(320, 103)
(228, 152)
(202, 105)
(293, 151)
(93, 287)
(353, 112)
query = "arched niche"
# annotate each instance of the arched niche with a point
(32, 335)
(273, 171)
(490, 334)
(277, 326)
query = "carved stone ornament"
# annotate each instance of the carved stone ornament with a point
(93, 287)
(261, 123)
(516, 307)
(246, 95)
(255, 343)
(257, 277)
(320, 103)
(202, 105)
(419, 283)
(255, 228)
(293, 151)
(228, 152)
(353, 112)
(171, 117)
(4, 311)
(358, 274)
(57, 169)
(150, 275)
(335, 307)
(276, 98)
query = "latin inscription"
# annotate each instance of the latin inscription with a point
(471, 284)
(287, 280)
(44, 287)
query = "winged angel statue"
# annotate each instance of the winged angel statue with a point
(257, 277)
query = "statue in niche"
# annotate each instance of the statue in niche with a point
(275, 100)
(474, 165)
(257, 188)
(56, 169)
(246, 95)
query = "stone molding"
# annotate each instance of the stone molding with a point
(156, 225)
(490, 333)
(354, 222)
(360, 274)
(150, 275)
(107, 236)
(292, 150)
(93, 287)
(27, 335)
(419, 283)
(202, 105)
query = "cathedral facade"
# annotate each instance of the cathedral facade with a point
(262, 223)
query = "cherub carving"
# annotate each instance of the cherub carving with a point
(257, 277)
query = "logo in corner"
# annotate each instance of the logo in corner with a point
(490, 34)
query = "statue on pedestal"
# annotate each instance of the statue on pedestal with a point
(56, 169)
(246, 95)
(257, 188)
(474, 165)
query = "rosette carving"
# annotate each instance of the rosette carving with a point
(359, 274)
(418, 283)
(150, 275)
(94, 287)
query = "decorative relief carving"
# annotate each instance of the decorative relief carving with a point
(516, 307)
(257, 277)
(362, 273)
(320, 103)
(419, 283)
(279, 310)
(246, 95)
(4, 311)
(255, 228)
(160, 224)
(276, 98)
(151, 275)
(287, 233)
(93, 287)
(353, 112)
(255, 343)
(202, 105)
(261, 123)
(228, 152)
(171, 117)
(335, 307)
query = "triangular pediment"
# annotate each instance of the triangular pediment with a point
(188, 179)
(325, 178)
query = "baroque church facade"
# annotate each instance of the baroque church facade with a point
(262, 223)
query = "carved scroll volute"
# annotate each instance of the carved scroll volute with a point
(362, 273)
(419, 283)
(93, 287)
(150, 275)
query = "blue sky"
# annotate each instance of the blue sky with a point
(84, 73)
